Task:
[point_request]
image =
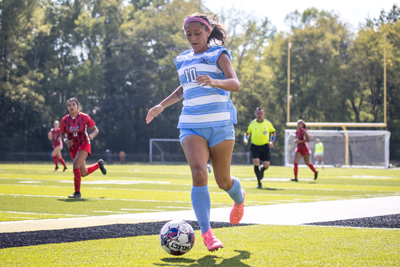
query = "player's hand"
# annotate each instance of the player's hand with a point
(90, 137)
(204, 80)
(153, 112)
(69, 143)
(296, 141)
(271, 145)
(245, 142)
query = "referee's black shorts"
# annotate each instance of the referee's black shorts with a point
(261, 152)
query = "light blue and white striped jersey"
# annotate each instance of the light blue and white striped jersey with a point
(203, 106)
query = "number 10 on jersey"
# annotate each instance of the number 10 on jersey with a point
(190, 75)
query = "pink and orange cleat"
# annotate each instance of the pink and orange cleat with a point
(237, 211)
(212, 243)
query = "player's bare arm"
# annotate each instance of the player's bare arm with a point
(94, 133)
(307, 137)
(50, 135)
(173, 98)
(230, 84)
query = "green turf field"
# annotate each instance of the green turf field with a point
(31, 192)
(36, 192)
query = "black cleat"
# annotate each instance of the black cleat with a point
(56, 168)
(316, 176)
(65, 168)
(294, 180)
(101, 164)
(75, 195)
(259, 186)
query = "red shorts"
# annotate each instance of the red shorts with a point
(85, 147)
(304, 151)
(59, 144)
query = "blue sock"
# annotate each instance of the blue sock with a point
(236, 192)
(202, 205)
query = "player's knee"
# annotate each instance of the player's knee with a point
(198, 174)
(78, 165)
(224, 184)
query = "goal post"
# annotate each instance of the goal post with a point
(170, 151)
(164, 150)
(345, 148)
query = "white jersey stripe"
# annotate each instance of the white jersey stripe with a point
(205, 117)
(189, 86)
(201, 68)
(205, 100)
(191, 56)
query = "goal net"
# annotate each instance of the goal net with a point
(170, 151)
(345, 148)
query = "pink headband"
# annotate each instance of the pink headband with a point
(198, 19)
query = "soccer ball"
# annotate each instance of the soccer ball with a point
(177, 237)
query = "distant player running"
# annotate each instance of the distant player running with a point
(206, 122)
(303, 149)
(55, 136)
(73, 129)
(319, 153)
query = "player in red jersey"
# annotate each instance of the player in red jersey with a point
(303, 149)
(73, 130)
(55, 135)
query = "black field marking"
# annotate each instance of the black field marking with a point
(387, 221)
(33, 238)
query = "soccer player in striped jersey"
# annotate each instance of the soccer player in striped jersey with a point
(302, 149)
(55, 136)
(206, 123)
(74, 130)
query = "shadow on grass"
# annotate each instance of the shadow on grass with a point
(73, 199)
(270, 188)
(209, 260)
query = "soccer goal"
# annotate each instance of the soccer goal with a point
(345, 148)
(170, 151)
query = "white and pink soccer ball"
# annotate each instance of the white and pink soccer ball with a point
(177, 237)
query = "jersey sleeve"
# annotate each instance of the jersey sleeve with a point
(271, 128)
(220, 51)
(249, 129)
(90, 123)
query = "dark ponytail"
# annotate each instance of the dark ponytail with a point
(218, 33)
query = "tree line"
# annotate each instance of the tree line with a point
(117, 58)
